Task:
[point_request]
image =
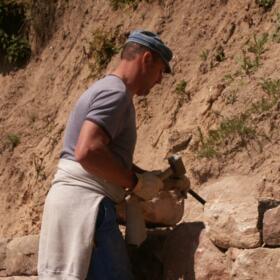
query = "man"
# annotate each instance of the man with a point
(80, 238)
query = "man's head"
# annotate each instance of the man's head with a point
(148, 59)
(149, 41)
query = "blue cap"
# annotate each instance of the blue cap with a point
(152, 41)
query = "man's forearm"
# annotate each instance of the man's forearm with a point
(102, 163)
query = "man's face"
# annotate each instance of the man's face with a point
(152, 73)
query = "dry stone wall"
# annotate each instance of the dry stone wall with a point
(18, 258)
(238, 239)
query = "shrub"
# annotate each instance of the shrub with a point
(102, 48)
(181, 87)
(276, 33)
(258, 46)
(14, 139)
(14, 47)
(271, 87)
(266, 4)
(231, 98)
(18, 51)
(220, 54)
(247, 64)
(225, 133)
(116, 4)
(204, 55)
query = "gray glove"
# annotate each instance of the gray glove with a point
(148, 185)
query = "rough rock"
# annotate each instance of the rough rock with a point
(179, 250)
(165, 209)
(146, 260)
(3, 253)
(255, 264)
(210, 262)
(271, 227)
(233, 223)
(20, 278)
(22, 256)
(226, 188)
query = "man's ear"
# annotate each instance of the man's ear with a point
(147, 59)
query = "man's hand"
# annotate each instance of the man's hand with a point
(148, 186)
(181, 184)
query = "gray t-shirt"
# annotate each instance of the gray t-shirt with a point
(108, 104)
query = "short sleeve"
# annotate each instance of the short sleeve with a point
(108, 110)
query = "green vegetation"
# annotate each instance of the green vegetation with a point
(103, 46)
(220, 54)
(228, 78)
(271, 87)
(206, 150)
(276, 33)
(227, 131)
(39, 167)
(231, 98)
(117, 4)
(14, 47)
(239, 129)
(257, 48)
(247, 64)
(181, 87)
(262, 105)
(204, 55)
(266, 4)
(13, 139)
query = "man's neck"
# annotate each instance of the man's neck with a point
(126, 73)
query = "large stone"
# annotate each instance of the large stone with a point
(271, 227)
(233, 223)
(167, 209)
(146, 260)
(3, 253)
(20, 278)
(179, 251)
(22, 253)
(255, 264)
(226, 188)
(210, 262)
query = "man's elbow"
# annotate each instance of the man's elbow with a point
(81, 155)
(86, 156)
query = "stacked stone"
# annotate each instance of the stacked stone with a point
(240, 241)
(18, 258)
(235, 236)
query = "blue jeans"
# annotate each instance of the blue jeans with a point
(109, 258)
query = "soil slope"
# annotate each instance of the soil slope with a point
(207, 37)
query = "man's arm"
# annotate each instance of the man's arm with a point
(93, 154)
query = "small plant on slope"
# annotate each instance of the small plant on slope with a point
(258, 47)
(266, 4)
(117, 4)
(276, 33)
(14, 47)
(14, 140)
(181, 87)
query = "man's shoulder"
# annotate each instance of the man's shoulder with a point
(109, 83)
(109, 90)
